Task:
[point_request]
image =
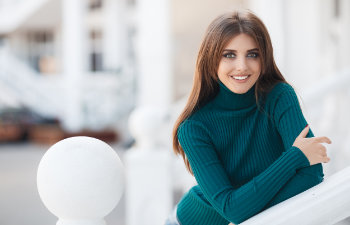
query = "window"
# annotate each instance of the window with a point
(95, 56)
(95, 5)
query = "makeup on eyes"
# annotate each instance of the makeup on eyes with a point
(231, 53)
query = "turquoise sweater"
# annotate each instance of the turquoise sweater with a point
(242, 157)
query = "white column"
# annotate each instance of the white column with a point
(74, 60)
(344, 34)
(148, 169)
(304, 48)
(153, 52)
(272, 13)
(149, 187)
(294, 26)
(114, 34)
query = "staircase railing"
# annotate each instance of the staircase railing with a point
(15, 12)
(106, 98)
(25, 84)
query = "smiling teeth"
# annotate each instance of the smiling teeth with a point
(240, 77)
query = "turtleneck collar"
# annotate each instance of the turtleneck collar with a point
(230, 100)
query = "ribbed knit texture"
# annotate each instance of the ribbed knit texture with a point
(242, 157)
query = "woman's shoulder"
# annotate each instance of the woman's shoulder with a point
(281, 96)
(193, 128)
(279, 90)
(202, 113)
(197, 119)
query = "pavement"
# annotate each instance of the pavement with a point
(20, 203)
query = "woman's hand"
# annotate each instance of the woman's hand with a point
(313, 148)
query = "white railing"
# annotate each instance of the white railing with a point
(148, 169)
(326, 203)
(324, 87)
(7, 97)
(105, 97)
(326, 107)
(25, 84)
(13, 13)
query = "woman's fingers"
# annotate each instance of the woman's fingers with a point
(313, 147)
(323, 150)
(322, 140)
(323, 153)
(326, 159)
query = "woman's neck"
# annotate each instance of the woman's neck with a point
(227, 99)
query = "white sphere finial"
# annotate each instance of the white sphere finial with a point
(80, 180)
(145, 123)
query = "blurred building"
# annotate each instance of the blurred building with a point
(69, 60)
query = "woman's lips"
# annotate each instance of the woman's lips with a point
(240, 78)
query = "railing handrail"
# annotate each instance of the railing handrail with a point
(9, 20)
(25, 82)
(327, 85)
(102, 94)
(326, 203)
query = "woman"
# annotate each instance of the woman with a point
(242, 133)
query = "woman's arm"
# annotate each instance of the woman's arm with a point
(236, 205)
(286, 107)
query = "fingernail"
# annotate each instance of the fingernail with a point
(306, 125)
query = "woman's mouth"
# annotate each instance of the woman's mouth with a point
(240, 78)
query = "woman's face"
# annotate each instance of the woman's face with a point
(240, 64)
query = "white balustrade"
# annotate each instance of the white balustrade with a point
(148, 169)
(74, 60)
(13, 13)
(106, 97)
(80, 180)
(154, 53)
(326, 107)
(27, 86)
(326, 203)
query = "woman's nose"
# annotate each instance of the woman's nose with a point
(241, 64)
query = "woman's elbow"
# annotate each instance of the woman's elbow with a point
(237, 216)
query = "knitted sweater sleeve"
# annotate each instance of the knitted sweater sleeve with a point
(234, 204)
(290, 121)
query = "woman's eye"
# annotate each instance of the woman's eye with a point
(229, 55)
(253, 55)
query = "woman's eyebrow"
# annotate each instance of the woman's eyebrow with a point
(232, 50)
(253, 50)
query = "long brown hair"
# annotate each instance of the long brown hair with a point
(217, 36)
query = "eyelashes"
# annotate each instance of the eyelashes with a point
(231, 55)
(253, 55)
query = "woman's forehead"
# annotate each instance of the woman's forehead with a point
(241, 42)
